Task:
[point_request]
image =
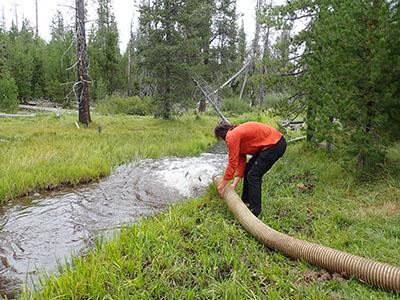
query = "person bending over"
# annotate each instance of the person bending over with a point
(266, 145)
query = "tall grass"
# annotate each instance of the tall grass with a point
(197, 250)
(46, 152)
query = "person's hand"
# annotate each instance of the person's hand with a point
(235, 182)
(221, 187)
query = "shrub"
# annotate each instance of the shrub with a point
(116, 105)
(273, 100)
(235, 105)
(8, 94)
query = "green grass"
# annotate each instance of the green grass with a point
(46, 152)
(197, 250)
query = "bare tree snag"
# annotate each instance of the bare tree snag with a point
(82, 84)
(16, 13)
(3, 19)
(244, 84)
(37, 20)
(130, 46)
(263, 68)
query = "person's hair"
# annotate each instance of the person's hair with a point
(222, 128)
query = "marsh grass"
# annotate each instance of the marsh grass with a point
(46, 152)
(197, 250)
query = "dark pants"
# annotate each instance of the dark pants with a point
(256, 167)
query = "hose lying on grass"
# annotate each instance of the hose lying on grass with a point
(366, 270)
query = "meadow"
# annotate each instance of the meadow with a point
(47, 153)
(197, 250)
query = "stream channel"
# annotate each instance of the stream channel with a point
(43, 230)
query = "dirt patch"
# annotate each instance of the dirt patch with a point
(305, 182)
(9, 288)
(185, 233)
(306, 176)
(305, 187)
(319, 276)
(224, 272)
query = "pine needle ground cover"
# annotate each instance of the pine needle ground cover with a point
(46, 152)
(197, 250)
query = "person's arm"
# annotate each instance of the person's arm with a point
(241, 166)
(235, 182)
(233, 143)
(239, 171)
(221, 187)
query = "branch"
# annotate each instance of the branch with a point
(291, 74)
(69, 6)
(73, 66)
(300, 17)
(67, 83)
(295, 97)
(232, 78)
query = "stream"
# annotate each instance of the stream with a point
(43, 230)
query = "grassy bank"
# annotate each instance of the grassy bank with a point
(198, 250)
(46, 152)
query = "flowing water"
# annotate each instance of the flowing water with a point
(38, 232)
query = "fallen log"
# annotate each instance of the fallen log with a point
(48, 109)
(366, 270)
(17, 115)
(297, 139)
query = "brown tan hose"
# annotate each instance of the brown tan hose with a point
(366, 270)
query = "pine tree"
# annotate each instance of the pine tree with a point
(393, 72)
(225, 27)
(8, 88)
(342, 74)
(61, 58)
(104, 49)
(38, 80)
(21, 63)
(242, 44)
(171, 51)
(162, 52)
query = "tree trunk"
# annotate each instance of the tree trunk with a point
(167, 82)
(263, 69)
(244, 84)
(255, 51)
(130, 45)
(206, 61)
(37, 20)
(310, 128)
(82, 90)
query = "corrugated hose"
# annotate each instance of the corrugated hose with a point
(366, 270)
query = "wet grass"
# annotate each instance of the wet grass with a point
(197, 250)
(46, 152)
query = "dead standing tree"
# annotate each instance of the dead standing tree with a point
(257, 95)
(130, 56)
(37, 19)
(81, 87)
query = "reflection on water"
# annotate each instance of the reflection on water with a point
(38, 232)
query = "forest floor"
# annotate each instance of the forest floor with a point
(197, 250)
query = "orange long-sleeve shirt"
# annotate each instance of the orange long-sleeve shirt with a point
(247, 138)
